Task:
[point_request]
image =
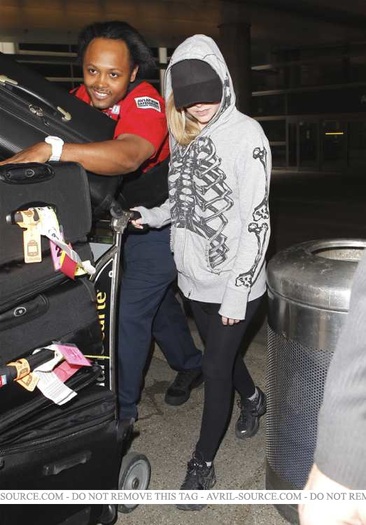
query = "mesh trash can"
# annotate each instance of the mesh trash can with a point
(309, 287)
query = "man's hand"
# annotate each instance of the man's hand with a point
(330, 512)
(39, 152)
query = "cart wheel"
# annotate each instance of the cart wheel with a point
(109, 515)
(134, 475)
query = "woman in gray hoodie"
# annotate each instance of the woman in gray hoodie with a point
(218, 206)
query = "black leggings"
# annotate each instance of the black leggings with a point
(223, 370)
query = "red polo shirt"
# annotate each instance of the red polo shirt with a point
(142, 113)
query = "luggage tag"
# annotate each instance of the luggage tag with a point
(57, 253)
(24, 376)
(69, 261)
(61, 262)
(30, 380)
(32, 245)
(22, 367)
(32, 249)
(68, 266)
(53, 388)
(49, 383)
(71, 354)
(64, 371)
(74, 360)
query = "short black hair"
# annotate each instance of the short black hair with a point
(140, 52)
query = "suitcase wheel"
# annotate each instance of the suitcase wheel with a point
(134, 474)
(108, 516)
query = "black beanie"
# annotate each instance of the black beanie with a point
(194, 82)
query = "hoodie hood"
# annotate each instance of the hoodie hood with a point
(202, 47)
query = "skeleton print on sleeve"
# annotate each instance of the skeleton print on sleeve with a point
(259, 225)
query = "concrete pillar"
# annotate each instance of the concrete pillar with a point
(163, 60)
(235, 46)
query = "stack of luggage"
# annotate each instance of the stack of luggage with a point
(58, 426)
(31, 108)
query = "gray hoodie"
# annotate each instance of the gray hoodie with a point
(218, 199)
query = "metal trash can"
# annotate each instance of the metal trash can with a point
(309, 287)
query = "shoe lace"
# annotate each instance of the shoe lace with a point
(247, 408)
(194, 473)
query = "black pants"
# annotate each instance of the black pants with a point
(223, 369)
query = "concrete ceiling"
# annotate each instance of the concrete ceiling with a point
(287, 23)
(274, 23)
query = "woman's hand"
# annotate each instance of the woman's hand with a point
(226, 321)
(136, 220)
(137, 223)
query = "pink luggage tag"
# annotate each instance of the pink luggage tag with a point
(64, 371)
(61, 261)
(56, 253)
(72, 355)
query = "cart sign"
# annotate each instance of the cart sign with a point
(103, 288)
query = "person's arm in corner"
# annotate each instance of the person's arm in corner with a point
(111, 157)
(340, 454)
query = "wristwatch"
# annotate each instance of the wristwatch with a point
(57, 144)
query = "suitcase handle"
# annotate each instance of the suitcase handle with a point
(32, 172)
(6, 81)
(11, 372)
(52, 469)
(22, 313)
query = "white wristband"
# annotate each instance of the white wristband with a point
(57, 145)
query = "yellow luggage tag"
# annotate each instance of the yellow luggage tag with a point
(24, 377)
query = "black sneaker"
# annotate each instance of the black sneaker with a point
(180, 390)
(250, 412)
(199, 477)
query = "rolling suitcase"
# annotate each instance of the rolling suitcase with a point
(66, 313)
(31, 107)
(20, 282)
(62, 186)
(44, 446)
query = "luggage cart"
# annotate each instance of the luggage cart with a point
(106, 244)
(134, 470)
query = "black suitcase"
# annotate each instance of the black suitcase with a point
(32, 107)
(66, 313)
(20, 282)
(43, 446)
(62, 185)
